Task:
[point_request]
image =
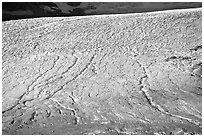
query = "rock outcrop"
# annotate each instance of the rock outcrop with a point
(110, 74)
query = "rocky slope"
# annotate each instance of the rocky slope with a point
(21, 10)
(113, 74)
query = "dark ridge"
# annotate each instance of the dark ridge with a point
(10, 10)
(74, 4)
(50, 4)
(12, 6)
(77, 12)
